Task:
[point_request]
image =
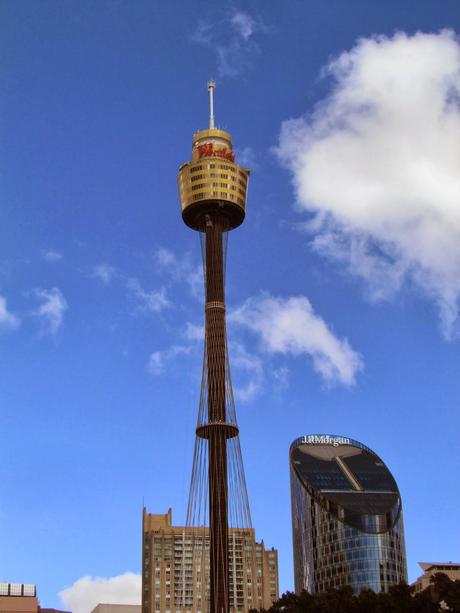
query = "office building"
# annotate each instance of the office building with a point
(175, 572)
(347, 517)
(451, 569)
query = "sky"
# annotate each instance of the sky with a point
(343, 283)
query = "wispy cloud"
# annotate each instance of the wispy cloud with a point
(194, 332)
(181, 269)
(249, 372)
(284, 326)
(159, 360)
(247, 158)
(50, 255)
(87, 592)
(51, 310)
(247, 366)
(153, 300)
(104, 273)
(232, 41)
(377, 163)
(244, 24)
(291, 327)
(8, 321)
(150, 300)
(281, 377)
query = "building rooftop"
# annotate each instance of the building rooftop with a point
(427, 566)
(17, 589)
(116, 608)
(349, 479)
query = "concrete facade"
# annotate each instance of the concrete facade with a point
(18, 598)
(18, 604)
(117, 608)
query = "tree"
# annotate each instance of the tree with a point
(399, 599)
(293, 603)
(446, 591)
(452, 598)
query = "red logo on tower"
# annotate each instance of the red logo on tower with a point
(207, 151)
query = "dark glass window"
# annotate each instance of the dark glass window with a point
(371, 473)
(320, 474)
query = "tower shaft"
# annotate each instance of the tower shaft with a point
(216, 360)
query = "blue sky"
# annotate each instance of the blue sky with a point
(342, 286)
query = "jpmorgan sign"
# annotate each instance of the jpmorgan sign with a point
(325, 439)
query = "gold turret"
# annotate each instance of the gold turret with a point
(212, 182)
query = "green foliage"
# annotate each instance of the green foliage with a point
(442, 596)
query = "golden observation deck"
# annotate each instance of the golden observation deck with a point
(212, 182)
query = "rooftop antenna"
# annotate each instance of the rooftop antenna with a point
(211, 87)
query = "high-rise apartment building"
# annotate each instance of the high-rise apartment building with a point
(346, 516)
(175, 572)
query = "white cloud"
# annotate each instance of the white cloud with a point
(51, 310)
(248, 367)
(181, 269)
(87, 592)
(232, 40)
(377, 165)
(154, 300)
(281, 377)
(104, 273)
(50, 255)
(194, 332)
(290, 326)
(8, 321)
(285, 326)
(247, 158)
(243, 23)
(195, 281)
(167, 259)
(160, 359)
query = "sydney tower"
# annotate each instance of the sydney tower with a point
(212, 188)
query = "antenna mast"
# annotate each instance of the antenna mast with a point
(211, 87)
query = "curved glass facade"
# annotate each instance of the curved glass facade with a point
(346, 516)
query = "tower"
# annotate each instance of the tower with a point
(347, 519)
(212, 190)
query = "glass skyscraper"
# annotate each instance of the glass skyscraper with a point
(347, 518)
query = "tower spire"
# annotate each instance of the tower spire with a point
(211, 88)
